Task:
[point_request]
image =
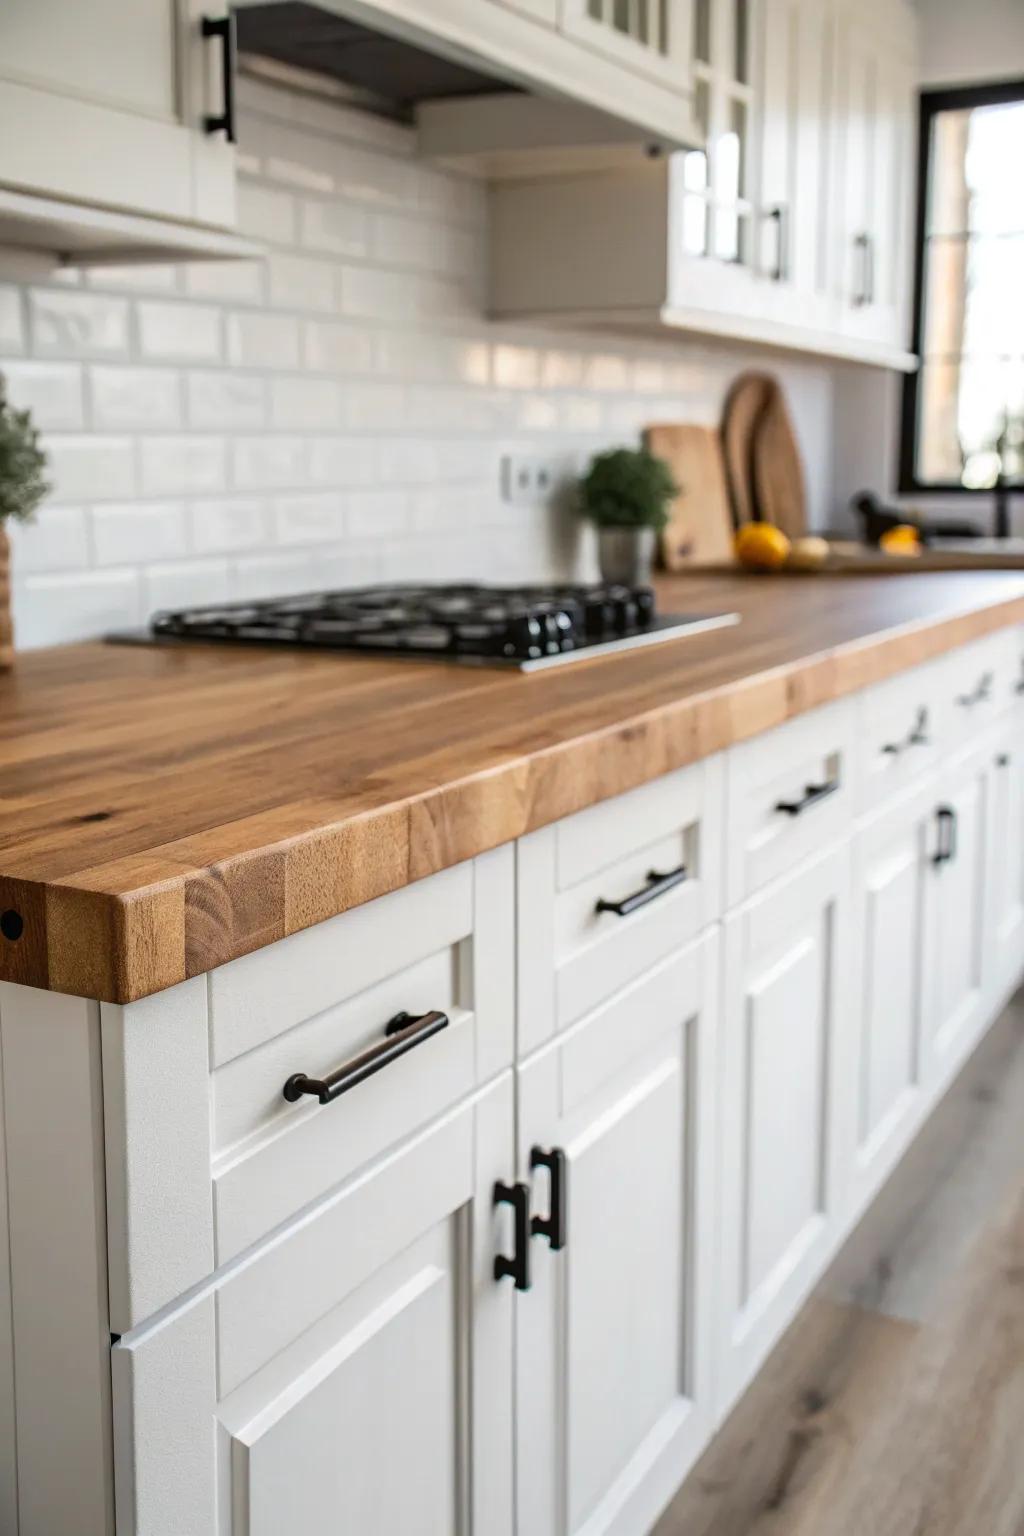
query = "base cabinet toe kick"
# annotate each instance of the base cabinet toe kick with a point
(476, 1208)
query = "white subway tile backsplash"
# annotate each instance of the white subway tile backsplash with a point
(146, 398)
(181, 465)
(90, 468)
(225, 398)
(56, 540)
(183, 583)
(339, 228)
(332, 347)
(312, 517)
(258, 340)
(301, 282)
(189, 332)
(51, 391)
(231, 524)
(69, 323)
(133, 533)
(12, 326)
(305, 404)
(262, 463)
(333, 413)
(51, 609)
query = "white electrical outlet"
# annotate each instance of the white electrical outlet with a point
(527, 478)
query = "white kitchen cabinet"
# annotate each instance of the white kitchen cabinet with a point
(958, 959)
(1006, 880)
(795, 120)
(616, 1125)
(355, 1374)
(894, 899)
(875, 91)
(785, 1092)
(649, 37)
(104, 106)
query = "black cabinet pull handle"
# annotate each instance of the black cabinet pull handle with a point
(1003, 760)
(657, 886)
(1018, 686)
(779, 215)
(224, 28)
(917, 736)
(401, 1034)
(811, 795)
(552, 1226)
(516, 1268)
(946, 851)
(979, 694)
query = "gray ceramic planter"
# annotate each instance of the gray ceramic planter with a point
(626, 554)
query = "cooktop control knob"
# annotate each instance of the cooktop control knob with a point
(524, 638)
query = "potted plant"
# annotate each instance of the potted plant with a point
(22, 488)
(625, 494)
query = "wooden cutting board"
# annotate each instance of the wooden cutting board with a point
(699, 529)
(743, 406)
(779, 489)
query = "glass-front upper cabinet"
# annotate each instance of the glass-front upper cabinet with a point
(649, 36)
(715, 194)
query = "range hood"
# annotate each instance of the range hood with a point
(495, 105)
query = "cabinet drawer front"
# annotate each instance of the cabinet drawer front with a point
(605, 895)
(899, 729)
(187, 1192)
(788, 792)
(355, 1373)
(977, 686)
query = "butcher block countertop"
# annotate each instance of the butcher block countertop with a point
(164, 810)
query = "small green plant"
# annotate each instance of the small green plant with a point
(22, 463)
(627, 488)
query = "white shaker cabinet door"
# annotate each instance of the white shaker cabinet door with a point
(797, 98)
(785, 1078)
(894, 888)
(959, 959)
(1006, 883)
(354, 1374)
(616, 1135)
(102, 102)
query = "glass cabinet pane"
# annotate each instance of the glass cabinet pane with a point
(702, 31)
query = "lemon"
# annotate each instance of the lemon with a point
(808, 553)
(904, 539)
(761, 546)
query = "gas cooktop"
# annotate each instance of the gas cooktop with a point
(521, 627)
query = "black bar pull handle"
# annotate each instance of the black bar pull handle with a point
(917, 737)
(811, 795)
(223, 27)
(517, 1268)
(1003, 760)
(552, 1226)
(779, 215)
(402, 1033)
(657, 885)
(946, 851)
(979, 693)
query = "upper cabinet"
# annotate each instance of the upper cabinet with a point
(787, 225)
(651, 37)
(116, 127)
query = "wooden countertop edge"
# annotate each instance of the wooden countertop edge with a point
(95, 935)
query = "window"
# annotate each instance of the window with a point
(963, 412)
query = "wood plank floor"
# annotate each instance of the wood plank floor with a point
(895, 1404)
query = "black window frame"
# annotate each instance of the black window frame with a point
(931, 103)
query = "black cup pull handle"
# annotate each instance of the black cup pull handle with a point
(946, 851)
(657, 885)
(916, 737)
(223, 27)
(552, 1226)
(979, 694)
(811, 795)
(517, 1268)
(401, 1034)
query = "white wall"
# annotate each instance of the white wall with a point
(964, 41)
(334, 415)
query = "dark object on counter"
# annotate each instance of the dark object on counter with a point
(877, 519)
(523, 627)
